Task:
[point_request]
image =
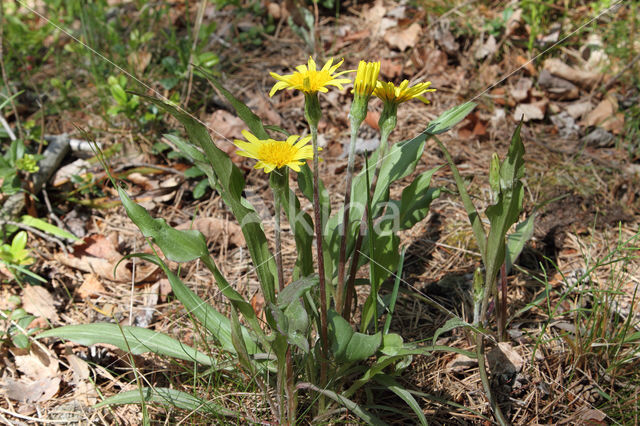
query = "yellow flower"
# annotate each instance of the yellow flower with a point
(366, 78)
(310, 80)
(272, 154)
(388, 92)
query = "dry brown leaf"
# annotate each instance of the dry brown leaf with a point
(84, 389)
(35, 364)
(513, 23)
(583, 78)
(103, 268)
(91, 287)
(372, 119)
(487, 48)
(606, 115)
(139, 60)
(31, 391)
(38, 301)
(265, 110)
(532, 111)
(403, 38)
(226, 127)
(527, 65)
(214, 228)
(390, 69)
(98, 245)
(461, 362)
(142, 181)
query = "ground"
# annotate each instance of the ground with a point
(572, 347)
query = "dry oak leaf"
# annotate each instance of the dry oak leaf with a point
(40, 381)
(103, 268)
(606, 115)
(213, 227)
(91, 287)
(38, 301)
(520, 91)
(403, 38)
(503, 359)
(30, 391)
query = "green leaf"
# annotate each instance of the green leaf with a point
(252, 121)
(391, 344)
(362, 346)
(217, 324)
(369, 418)
(139, 340)
(506, 210)
(229, 182)
(451, 323)
(449, 118)
(295, 290)
(179, 246)
(347, 345)
(517, 239)
(200, 189)
(298, 322)
(48, 228)
(169, 397)
(416, 199)
(404, 394)
(340, 333)
(18, 244)
(238, 342)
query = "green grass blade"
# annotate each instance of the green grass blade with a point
(169, 397)
(48, 228)
(404, 394)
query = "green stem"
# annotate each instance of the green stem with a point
(339, 301)
(482, 368)
(385, 132)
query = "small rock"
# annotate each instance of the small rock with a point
(567, 126)
(504, 360)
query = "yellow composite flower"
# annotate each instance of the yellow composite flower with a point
(272, 154)
(308, 79)
(366, 78)
(388, 92)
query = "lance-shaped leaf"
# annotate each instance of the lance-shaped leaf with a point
(449, 118)
(217, 324)
(137, 339)
(179, 246)
(230, 183)
(506, 210)
(168, 397)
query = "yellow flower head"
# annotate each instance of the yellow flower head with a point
(272, 154)
(310, 80)
(389, 93)
(366, 78)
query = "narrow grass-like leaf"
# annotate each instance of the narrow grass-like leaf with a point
(138, 339)
(451, 323)
(394, 295)
(404, 394)
(169, 397)
(48, 228)
(347, 403)
(217, 324)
